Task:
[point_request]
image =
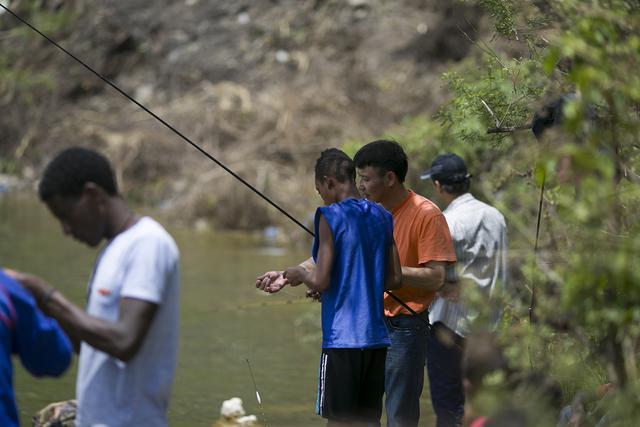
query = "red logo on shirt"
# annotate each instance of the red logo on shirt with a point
(104, 292)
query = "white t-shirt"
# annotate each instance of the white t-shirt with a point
(141, 263)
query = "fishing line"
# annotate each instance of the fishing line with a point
(189, 141)
(264, 419)
(262, 304)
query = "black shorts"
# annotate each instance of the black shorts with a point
(351, 384)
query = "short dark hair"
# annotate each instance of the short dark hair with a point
(456, 188)
(386, 155)
(335, 163)
(71, 169)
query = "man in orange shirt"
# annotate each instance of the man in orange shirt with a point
(425, 248)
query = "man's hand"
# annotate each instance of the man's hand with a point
(271, 281)
(450, 291)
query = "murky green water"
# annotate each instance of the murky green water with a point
(224, 320)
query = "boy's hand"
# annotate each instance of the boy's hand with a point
(276, 284)
(39, 289)
(314, 295)
(295, 275)
(33, 284)
(271, 281)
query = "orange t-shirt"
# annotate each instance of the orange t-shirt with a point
(422, 235)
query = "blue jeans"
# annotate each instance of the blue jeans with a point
(444, 366)
(404, 369)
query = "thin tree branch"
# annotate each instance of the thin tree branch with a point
(508, 129)
(490, 112)
(509, 108)
(483, 48)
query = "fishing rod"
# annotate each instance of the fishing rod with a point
(187, 140)
(532, 303)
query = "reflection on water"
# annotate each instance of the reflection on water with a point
(224, 320)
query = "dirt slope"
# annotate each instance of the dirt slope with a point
(263, 85)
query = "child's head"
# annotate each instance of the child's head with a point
(333, 169)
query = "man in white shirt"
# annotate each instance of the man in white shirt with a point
(128, 336)
(479, 235)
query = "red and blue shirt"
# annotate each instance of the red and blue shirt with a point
(37, 339)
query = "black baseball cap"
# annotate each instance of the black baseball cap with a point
(448, 169)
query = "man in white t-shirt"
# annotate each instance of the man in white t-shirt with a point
(128, 336)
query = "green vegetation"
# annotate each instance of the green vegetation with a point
(586, 328)
(18, 79)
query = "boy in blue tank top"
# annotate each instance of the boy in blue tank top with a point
(356, 261)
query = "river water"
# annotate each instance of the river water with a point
(224, 320)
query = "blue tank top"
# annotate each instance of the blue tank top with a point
(352, 307)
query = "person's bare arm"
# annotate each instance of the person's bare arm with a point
(274, 281)
(394, 270)
(429, 276)
(121, 339)
(308, 264)
(319, 278)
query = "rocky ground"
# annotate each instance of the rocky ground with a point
(262, 85)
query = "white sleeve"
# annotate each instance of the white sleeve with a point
(150, 264)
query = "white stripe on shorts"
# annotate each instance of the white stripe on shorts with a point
(321, 382)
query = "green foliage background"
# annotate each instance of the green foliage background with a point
(586, 326)
(18, 81)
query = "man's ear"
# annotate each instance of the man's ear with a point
(389, 178)
(93, 191)
(438, 186)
